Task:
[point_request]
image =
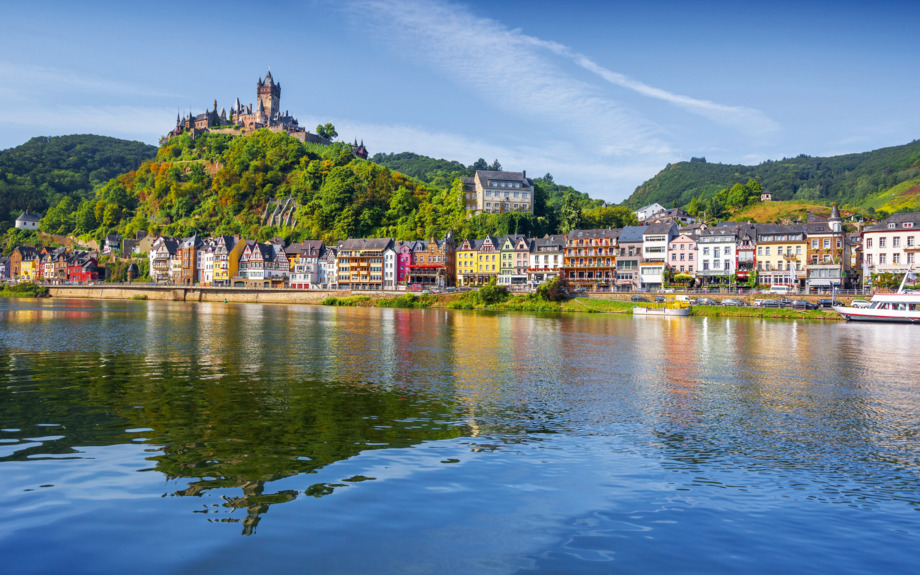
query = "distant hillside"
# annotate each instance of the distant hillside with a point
(429, 170)
(39, 173)
(848, 179)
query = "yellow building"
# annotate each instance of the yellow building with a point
(227, 259)
(488, 260)
(782, 252)
(467, 262)
(29, 269)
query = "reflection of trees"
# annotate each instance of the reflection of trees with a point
(236, 431)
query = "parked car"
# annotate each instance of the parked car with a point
(770, 303)
(659, 299)
(759, 302)
(638, 298)
(706, 301)
(803, 304)
(734, 302)
(784, 302)
(860, 303)
(828, 303)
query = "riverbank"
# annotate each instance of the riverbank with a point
(25, 289)
(608, 303)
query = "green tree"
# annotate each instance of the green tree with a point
(326, 131)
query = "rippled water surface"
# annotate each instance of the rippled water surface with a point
(156, 437)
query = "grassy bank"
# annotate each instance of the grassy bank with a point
(408, 301)
(24, 290)
(349, 301)
(778, 313)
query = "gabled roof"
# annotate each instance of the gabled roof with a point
(365, 244)
(898, 220)
(28, 217)
(658, 229)
(504, 177)
(632, 233)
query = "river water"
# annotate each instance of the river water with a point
(158, 437)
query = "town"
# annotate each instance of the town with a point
(668, 249)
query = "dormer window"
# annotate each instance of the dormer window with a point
(908, 224)
(892, 226)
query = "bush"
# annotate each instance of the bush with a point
(553, 290)
(24, 289)
(491, 293)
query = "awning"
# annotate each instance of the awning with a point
(821, 283)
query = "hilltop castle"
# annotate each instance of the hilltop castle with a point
(243, 120)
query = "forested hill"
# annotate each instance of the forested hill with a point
(37, 174)
(222, 184)
(847, 179)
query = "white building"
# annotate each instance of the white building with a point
(390, 257)
(28, 221)
(891, 245)
(717, 252)
(649, 211)
(306, 272)
(546, 259)
(655, 240)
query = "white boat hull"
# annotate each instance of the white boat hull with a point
(662, 312)
(880, 315)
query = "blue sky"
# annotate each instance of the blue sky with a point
(600, 94)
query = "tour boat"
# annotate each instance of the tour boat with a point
(672, 307)
(896, 307)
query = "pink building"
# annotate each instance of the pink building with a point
(682, 255)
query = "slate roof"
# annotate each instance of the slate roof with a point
(899, 220)
(365, 244)
(486, 175)
(632, 233)
(28, 217)
(658, 229)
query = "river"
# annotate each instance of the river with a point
(161, 437)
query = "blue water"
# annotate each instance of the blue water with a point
(156, 437)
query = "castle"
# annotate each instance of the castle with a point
(243, 120)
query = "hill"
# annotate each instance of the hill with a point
(269, 184)
(848, 179)
(39, 173)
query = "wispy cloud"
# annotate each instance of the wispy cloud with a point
(495, 63)
(737, 117)
(62, 82)
(511, 69)
(605, 180)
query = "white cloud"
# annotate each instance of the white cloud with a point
(599, 176)
(64, 82)
(508, 73)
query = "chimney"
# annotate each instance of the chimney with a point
(524, 174)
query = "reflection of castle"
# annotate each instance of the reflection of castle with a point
(242, 119)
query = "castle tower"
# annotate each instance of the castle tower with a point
(269, 95)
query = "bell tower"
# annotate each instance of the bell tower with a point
(269, 95)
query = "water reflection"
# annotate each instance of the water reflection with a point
(235, 399)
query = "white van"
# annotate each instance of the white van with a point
(780, 290)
